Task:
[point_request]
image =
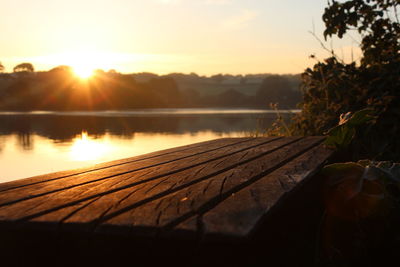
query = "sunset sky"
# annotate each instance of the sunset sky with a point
(163, 36)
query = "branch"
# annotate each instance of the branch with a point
(331, 51)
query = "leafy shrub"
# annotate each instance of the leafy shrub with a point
(332, 87)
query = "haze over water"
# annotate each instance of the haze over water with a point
(34, 143)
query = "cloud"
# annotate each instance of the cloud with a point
(241, 20)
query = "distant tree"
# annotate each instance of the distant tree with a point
(24, 67)
(231, 98)
(99, 72)
(277, 89)
(191, 98)
(166, 90)
(219, 78)
(61, 68)
(1, 67)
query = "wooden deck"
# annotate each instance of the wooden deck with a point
(190, 198)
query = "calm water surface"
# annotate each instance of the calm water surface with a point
(34, 143)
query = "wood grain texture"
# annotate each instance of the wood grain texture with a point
(174, 207)
(65, 196)
(242, 211)
(100, 174)
(188, 149)
(179, 181)
(224, 187)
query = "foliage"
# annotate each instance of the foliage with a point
(279, 127)
(24, 67)
(218, 78)
(341, 136)
(333, 87)
(376, 20)
(1, 67)
(278, 89)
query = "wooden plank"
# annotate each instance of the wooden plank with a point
(203, 195)
(186, 150)
(99, 175)
(187, 203)
(241, 212)
(117, 197)
(171, 209)
(47, 203)
(170, 184)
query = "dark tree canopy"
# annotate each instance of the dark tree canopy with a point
(62, 68)
(332, 87)
(277, 89)
(24, 67)
(219, 78)
(376, 20)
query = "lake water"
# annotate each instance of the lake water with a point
(34, 143)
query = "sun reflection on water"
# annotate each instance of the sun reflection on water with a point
(85, 148)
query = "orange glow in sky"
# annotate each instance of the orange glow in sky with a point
(83, 62)
(164, 36)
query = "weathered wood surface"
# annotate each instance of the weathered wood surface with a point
(221, 189)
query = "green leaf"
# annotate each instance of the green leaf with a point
(360, 117)
(340, 137)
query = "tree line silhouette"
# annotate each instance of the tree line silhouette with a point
(60, 89)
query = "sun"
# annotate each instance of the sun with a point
(83, 62)
(83, 72)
